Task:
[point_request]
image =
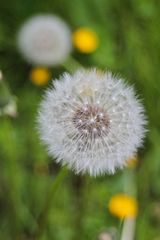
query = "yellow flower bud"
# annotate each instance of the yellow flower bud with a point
(85, 40)
(40, 76)
(123, 206)
(132, 162)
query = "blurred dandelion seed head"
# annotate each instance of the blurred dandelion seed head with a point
(108, 234)
(92, 122)
(11, 108)
(105, 236)
(45, 39)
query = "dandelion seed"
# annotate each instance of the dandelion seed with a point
(92, 133)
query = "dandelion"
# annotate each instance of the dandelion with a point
(123, 206)
(40, 76)
(91, 121)
(85, 40)
(45, 40)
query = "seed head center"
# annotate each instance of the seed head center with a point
(91, 121)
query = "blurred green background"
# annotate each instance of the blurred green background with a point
(129, 44)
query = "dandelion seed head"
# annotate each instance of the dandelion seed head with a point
(92, 122)
(44, 40)
(92, 119)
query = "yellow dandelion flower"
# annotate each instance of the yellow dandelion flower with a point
(123, 206)
(85, 40)
(132, 162)
(40, 76)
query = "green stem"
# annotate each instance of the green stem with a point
(128, 229)
(129, 182)
(42, 220)
(78, 188)
(120, 227)
(71, 65)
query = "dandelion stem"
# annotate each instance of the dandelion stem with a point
(120, 225)
(42, 220)
(78, 188)
(71, 65)
(128, 229)
(129, 182)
